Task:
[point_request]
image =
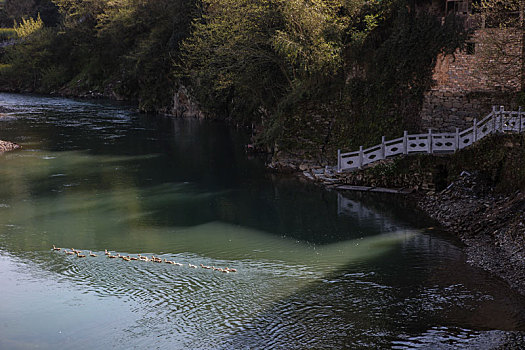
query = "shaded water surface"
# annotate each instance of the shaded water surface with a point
(315, 269)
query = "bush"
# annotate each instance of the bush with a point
(53, 78)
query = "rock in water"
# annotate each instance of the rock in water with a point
(6, 146)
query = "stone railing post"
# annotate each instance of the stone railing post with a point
(501, 114)
(405, 142)
(429, 146)
(360, 162)
(383, 148)
(520, 120)
(494, 119)
(475, 130)
(338, 160)
(457, 139)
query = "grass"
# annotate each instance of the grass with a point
(7, 33)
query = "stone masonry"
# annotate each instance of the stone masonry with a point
(470, 82)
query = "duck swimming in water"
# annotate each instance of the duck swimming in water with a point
(69, 253)
(55, 248)
(91, 254)
(80, 255)
(106, 252)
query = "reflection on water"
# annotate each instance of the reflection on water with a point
(316, 269)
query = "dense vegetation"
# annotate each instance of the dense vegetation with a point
(309, 74)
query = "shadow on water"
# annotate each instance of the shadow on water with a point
(397, 300)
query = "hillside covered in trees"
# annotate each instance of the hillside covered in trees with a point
(310, 75)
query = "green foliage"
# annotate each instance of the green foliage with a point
(229, 59)
(395, 61)
(7, 34)
(145, 36)
(311, 40)
(16, 10)
(313, 74)
(520, 99)
(125, 46)
(4, 68)
(28, 26)
(252, 60)
(26, 60)
(53, 78)
(500, 13)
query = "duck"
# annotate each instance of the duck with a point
(55, 248)
(91, 254)
(80, 255)
(112, 256)
(69, 253)
(126, 258)
(133, 258)
(231, 270)
(192, 266)
(106, 252)
(205, 267)
(176, 263)
(76, 251)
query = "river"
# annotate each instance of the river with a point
(315, 268)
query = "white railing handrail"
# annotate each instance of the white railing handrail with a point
(431, 142)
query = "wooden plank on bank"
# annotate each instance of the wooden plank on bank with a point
(354, 188)
(374, 189)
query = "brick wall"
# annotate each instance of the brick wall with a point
(469, 82)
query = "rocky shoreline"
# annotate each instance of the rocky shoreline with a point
(491, 225)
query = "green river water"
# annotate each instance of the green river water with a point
(315, 269)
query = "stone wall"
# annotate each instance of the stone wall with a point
(469, 82)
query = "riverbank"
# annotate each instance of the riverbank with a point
(477, 194)
(492, 225)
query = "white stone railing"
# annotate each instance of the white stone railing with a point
(496, 121)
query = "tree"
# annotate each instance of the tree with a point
(253, 56)
(18, 9)
(503, 43)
